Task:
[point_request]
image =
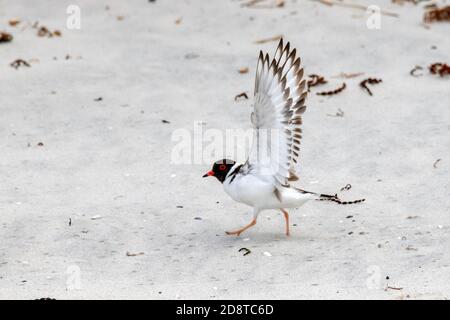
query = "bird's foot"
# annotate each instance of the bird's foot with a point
(238, 232)
(234, 233)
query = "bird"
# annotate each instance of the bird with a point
(264, 180)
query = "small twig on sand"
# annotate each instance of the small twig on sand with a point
(392, 288)
(251, 3)
(348, 75)
(255, 4)
(275, 38)
(326, 2)
(355, 6)
(129, 254)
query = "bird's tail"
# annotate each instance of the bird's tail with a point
(335, 198)
(327, 197)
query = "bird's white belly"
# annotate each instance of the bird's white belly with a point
(249, 189)
(259, 193)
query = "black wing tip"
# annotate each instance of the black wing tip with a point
(280, 43)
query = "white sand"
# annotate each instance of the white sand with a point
(111, 159)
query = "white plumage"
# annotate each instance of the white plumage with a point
(263, 181)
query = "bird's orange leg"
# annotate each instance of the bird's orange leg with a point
(286, 217)
(238, 232)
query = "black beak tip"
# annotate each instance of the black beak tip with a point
(209, 173)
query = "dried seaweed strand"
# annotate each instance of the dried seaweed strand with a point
(19, 62)
(347, 187)
(437, 14)
(315, 80)
(442, 69)
(332, 92)
(364, 83)
(241, 95)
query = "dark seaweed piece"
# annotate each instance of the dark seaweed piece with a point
(315, 80)
(442, 69)
(364, 83)
(19, 62)
(5, 37)
(437, 14)
(247, 251)
(332, 92)
(241, 95)
(413, 71)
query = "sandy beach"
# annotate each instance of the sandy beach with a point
(93, 205)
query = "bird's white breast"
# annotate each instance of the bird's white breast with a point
(257, 192)
(248, 189)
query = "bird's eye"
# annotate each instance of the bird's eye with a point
(222, 167)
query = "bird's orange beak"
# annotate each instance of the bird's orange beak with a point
(209, 173)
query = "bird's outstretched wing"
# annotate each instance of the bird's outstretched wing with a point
(278, 106)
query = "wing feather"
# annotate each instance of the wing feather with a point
(279, 100)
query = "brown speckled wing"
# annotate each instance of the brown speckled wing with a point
(280, 94)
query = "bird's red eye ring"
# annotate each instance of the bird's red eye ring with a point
(222, 167)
